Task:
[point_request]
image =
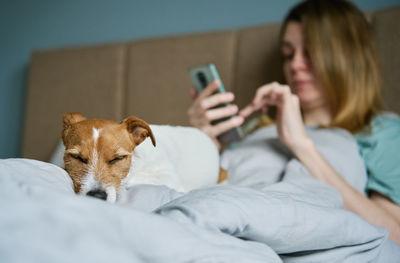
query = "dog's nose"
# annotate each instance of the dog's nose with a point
(98, 193)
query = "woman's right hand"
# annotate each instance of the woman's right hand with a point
(202, 112)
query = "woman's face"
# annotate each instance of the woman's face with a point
(298, 69)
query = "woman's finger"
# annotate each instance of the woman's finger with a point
(267, 95)
(263, 91)
(227, 125)
(216, 100)
(247, 111)
(209, 90)
(222, 112)
(260, 100)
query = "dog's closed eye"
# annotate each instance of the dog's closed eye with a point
(116, 159)
(79, 158)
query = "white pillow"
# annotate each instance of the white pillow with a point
(35, 175)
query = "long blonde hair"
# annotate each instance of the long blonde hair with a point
(343, 55)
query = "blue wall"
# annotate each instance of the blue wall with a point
(40, 24)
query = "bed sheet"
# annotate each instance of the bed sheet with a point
(42, 217)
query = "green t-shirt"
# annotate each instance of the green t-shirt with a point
(381, 153)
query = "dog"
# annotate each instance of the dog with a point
(104, 157)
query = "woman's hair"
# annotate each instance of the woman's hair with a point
(343, 56)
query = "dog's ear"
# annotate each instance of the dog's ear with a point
(68, 120)
(71, 118)
(139, 129)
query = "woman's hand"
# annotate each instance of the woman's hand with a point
(289, 120)
(202, 112)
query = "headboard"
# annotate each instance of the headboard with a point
(149, 79)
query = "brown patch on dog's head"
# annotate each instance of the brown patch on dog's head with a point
(99, 152)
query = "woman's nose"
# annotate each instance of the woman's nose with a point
(299, 62)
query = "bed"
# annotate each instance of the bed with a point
(294, 219)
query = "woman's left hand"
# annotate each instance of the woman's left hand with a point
(289, 120)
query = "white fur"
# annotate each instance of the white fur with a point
(111, 194)
(88, 183)
(89, 179)
(96, 134)
(184, 159)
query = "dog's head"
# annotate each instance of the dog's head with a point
(98, 153)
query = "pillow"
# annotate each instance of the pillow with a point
(35, 176)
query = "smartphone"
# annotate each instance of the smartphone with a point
(201, 76)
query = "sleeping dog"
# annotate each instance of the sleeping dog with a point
(104, 157)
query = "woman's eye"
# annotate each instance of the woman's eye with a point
(119, 158)
(287, 56)
(287, 51)
(77, 157)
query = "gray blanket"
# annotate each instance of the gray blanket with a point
(296, 219)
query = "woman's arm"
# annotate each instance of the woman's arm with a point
(377, 210)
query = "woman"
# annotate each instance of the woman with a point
(330, 65)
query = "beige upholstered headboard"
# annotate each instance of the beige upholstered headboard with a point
(149, 79)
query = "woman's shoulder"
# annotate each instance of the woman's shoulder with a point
(387, 119)
(384, 126)
(381, 138)
(380, 149)
(387, 122)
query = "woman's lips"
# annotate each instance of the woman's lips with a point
(301, 83)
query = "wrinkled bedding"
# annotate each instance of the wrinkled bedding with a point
(285, 217)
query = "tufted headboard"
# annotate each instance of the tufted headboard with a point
(149, 79)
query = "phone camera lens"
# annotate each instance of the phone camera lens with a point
(202, 78)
